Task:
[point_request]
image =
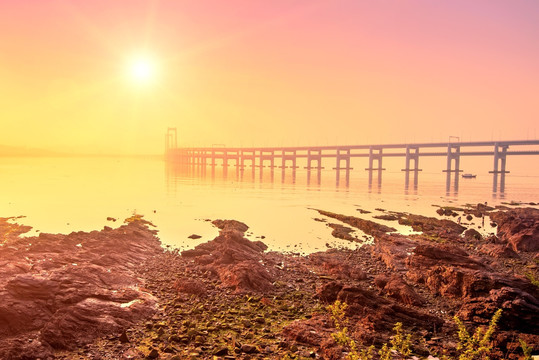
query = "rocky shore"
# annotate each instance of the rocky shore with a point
(117, 294)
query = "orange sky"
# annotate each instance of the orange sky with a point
(280, 72)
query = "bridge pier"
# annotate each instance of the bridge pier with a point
(343, 155)
(375, 154)
(270, 156)
(453, 157)
(248, 155)
(288, 155)
(411, 156)
(500, 158)
(235, 155)
(171, 142)
(314, 155)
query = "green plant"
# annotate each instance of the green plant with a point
(532, 279)
(471, 347)
(400, 341)
(476, 346)
(341, 337)
(527, 350)
(385, 352)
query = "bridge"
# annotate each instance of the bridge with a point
(341, 155)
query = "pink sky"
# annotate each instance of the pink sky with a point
(277, 72)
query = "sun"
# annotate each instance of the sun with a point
(142, 69)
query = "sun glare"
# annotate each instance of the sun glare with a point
(142, 70)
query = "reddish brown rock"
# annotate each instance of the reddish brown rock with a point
(472, 234)
(190, 286)
(450, 271)
(367, 226)
(395, 287)
(230, 225)
(520, 310)
(519, 228)
(235, 260)
(91, 318)
(375, 312)
(332, 263)
(432, 226)
(393, 250)
(342, 232)
(66, 290)
(312, 331)
(246, 276)
(498, 251)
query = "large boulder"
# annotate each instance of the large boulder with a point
(58, 293)
(519, 228)
(235, 260)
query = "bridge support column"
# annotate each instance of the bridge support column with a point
(375, 154)
(204, 158)
(237, 159)
(343, 155)
(411, 156)
(500, 159)
(247, 155)
(171, 142)
(453, 157)
(314, 155)
(225, 164)
(267, 155)
(213, 163)
(288, 156)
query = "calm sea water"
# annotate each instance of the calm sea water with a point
(60, 195)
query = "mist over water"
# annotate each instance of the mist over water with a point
(61, 195)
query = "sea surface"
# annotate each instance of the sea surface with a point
(61, 195)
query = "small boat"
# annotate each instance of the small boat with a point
(469, 176)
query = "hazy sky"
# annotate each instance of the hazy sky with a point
(279, 72)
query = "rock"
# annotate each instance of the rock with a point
(153, 354)
(329, 292)
(519, 228)
(221, 352)
(332, 263)
(230, 225)
(342, 232)
(444, 211)
(432, 226)
(79, 286)
(235, 260)
(249, 349)
(367, 226)
(309, 332)
(498, 251)
(376, 313)
(386, 217)
(123, 337)
(449, 271)
(393, 250)
(91, 318)
(472, 234)
(246, 276)
(398, 289)
(190, 286)
(194, 236)
(520, 310)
